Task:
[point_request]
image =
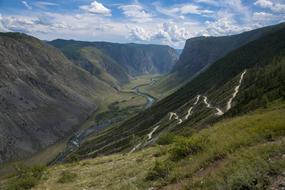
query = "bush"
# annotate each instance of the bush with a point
(166, 138)
(67, 177)
(27, 177)
(159, 171)
(184, 147)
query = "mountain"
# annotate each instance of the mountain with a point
(116, 63)
(200, 52)
(247, 78)
(43, 96)
(225, 129)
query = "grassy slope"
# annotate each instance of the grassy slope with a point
(250, 154)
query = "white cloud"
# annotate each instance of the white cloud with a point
(168, 33)
(26, 5)
(225, 24)
(179, 10)
(97, 8)
(139, 34)
(136, 12)
(264, 3)
(272, 5)
(44, 4)
(210, 2)
(2, 28)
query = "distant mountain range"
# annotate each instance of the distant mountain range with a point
(116, 63)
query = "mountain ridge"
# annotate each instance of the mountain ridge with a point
(130, 59)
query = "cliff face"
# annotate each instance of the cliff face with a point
(200, 52)
(43, 96)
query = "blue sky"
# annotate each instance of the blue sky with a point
(168, 22)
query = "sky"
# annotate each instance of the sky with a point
(168, 22)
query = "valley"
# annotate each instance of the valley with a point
(102, 115)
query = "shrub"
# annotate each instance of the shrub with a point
(166, 138)
(26, 178)
(184, 147)
(22, 183)
(159, 171)
(67, 177)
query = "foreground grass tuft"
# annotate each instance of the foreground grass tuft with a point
(159, 171)
(67, 177)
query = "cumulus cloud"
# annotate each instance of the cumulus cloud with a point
(136, 12)
(97, 8)
(171, 33)
(272, 5)
(168, 33)
(26, 5)
(139, 34)
(225, 24)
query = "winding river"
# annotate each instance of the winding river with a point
(76, 140)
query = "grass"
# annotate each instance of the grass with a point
(248, 169)
(119, 171)
(67, 177)
(232, 141)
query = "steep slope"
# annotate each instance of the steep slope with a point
(245, 79)
(94, 61)
(200, 52)
(43, 95)
(119, 60)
